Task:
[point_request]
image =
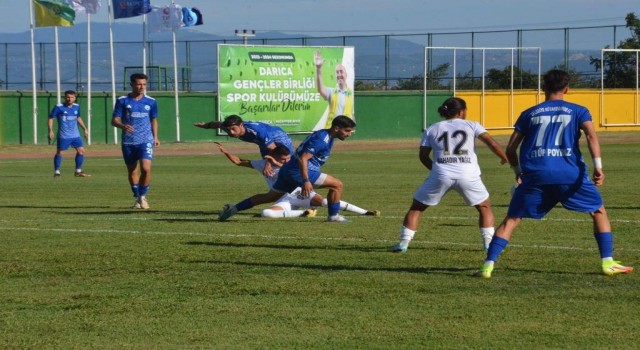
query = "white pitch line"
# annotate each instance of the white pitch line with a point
(136, 232)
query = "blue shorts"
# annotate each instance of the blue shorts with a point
(64, 144)
(288, 180)
(535, 201)
(134, 153)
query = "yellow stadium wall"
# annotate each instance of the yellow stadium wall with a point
(500, 109)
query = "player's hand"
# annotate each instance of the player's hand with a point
(598, 176)
(220, 147)
(156, 142)
(201, 125)
(268, 170)
(127, 128)
(306, 188)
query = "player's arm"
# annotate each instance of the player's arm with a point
(494, 147)
(154, 130)
(86, 131)
(303, 162)
(50, 126)
(268, 169)
(594, 148)
(233, 158)
(512, 153)
(425, 157)
(318, 60)
(273, 161)
(209, 125)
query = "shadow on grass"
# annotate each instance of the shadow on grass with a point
(422, 270)
(50, 207)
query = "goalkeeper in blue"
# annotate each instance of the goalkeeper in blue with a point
(550, 170)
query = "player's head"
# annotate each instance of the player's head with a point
(453, 107)
(234, 126)
(138, 82)
(555, 80)
(281, 153)
(342, 127)
(70, 97)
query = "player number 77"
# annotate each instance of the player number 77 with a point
(544, 122)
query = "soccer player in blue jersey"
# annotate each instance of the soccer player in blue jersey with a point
(68, 116)
(551, 170)
(303, 170)
(264, 135)
(136, 114)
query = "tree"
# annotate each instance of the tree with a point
(433, 81)
(619, 68)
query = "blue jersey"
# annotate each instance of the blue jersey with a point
(318, 144)
(137, 113)
(67, 117)
(550, 152)
(263, 135)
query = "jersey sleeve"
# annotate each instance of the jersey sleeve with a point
(117, 109)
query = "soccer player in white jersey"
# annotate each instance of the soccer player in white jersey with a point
(136, 114)
(551, 170)
(454, 167)
(290, 204)
(68, 116)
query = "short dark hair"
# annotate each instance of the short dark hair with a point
(451, 107)
(231, 121)
(555, 80)
(70, 92)
(280, 150)
(342, 121)
(136, 76)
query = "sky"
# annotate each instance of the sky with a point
(369, 17)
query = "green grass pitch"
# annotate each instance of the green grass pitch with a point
(80, 270)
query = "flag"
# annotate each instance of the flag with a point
(85, 6)
(191, 16)
(165, 18)
(49, 13)
(130, 8)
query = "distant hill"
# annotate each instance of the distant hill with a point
(405, 60)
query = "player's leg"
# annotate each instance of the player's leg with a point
(230, 210)
(475, 193)
(62, 145)
(333, 197)
(346, 206)
(587, 198)
(80, 151)
(130, 156)
(145, 182)
(428, 194)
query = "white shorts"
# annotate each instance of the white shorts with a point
(294, 200)
(433, 189)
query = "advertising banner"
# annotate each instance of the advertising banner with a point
(298, 88)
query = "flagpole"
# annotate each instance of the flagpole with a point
(175, 82)
(89, 113)
(144, 44)
(57, 50)
(33, 77)
(113, 73)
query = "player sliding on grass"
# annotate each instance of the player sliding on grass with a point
(454, 167)
(303, 170)
(262, 134)
(551, 170)
(291, 204)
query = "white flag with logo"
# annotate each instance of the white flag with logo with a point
(85, 6)
(165, 18)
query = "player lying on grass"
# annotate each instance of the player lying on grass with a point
(291, 204)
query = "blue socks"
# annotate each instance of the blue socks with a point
(79, 160)
(244, 205)
(57, 161)
(496, 247)
(334, 208)
(605, 244)
(136, 190)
